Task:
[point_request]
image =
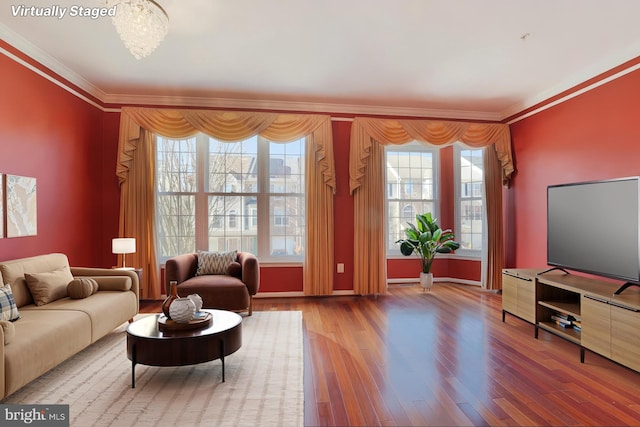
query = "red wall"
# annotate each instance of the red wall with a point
(70, 146)
(50, 134)
(592, 136)
(343, 208)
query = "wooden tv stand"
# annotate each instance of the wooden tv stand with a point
(610, 323)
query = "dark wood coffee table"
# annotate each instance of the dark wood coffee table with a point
(148, 345)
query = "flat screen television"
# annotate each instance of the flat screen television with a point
(593, 227)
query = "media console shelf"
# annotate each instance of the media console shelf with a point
(605, 323)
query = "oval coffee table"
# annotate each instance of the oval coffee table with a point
(148, 345)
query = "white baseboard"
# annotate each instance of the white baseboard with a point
(289, 294)
(293, 294)
(409, 280)
(390, 282)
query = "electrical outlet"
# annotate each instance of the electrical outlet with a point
(340, 268)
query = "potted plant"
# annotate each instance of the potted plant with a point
(426, 239)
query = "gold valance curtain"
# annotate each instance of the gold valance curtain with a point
(137, 126)
(366, 181)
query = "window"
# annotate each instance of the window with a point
(411, 183)
(215, 195)
(470, 210)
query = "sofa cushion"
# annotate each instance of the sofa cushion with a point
(49, 286)
(9, 331)
(82, 287)
(43, 339)
(8, 308)
(222, 292)
(215, 262)
(104, 310)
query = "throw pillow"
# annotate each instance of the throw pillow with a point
(50, 286)
(235, 270)
(8, 307)
(214, 262)
(9, 331)
(82, 287)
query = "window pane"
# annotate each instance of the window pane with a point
(410, 188)
(233, 223)
(471, 209)
(233, 166)
(287, 201)
(288, 226)
(286, 167)
(399, 214)
(176, 225)
(176, 165)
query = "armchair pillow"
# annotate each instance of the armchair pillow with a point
(215, 262)
(235, 269)
(50, 286)
(8, 307)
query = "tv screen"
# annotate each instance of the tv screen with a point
(593, 227)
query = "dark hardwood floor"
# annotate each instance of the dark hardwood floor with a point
(445, 358)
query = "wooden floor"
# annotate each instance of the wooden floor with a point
(445, 358)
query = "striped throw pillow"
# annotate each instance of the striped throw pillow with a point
(215, 262)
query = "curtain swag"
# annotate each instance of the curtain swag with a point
(365, 131)
(138, 124)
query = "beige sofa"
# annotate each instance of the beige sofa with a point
(48, 334)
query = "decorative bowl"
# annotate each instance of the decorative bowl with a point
(197, 301)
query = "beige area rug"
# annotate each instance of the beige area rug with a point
(264, 383)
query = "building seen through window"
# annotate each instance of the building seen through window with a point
(215, 195)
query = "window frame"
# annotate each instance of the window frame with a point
(393, 252)
(263, 223)
(457, 210)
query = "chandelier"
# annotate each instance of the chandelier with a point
(142, 25)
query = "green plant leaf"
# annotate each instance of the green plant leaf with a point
(406, 248)
(446, 235)
(425, 237)
(423, 225)
(451, 245)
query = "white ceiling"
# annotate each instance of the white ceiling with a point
(484, 59)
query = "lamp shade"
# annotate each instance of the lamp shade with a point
(125, 245)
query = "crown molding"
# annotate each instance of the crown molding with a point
(58, 69)
(572, 94)
(514, 113)
(593, 72)
(51, 63)
(317, 107)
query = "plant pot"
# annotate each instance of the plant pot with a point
(426, 281)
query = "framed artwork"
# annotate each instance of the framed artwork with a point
(22, 212)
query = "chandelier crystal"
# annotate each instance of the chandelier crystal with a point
(142, 25)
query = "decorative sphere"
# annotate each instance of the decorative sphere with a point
(182, 310)
(197, 301)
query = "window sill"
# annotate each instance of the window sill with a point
(270, 264)
(460, 256)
